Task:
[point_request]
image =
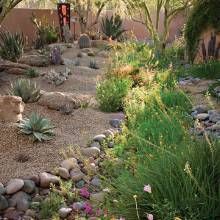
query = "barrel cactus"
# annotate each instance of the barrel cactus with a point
(84, 41)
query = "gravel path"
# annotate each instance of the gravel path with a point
(19, 156)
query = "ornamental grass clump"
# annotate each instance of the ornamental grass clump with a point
(26, 89)
(111, 93)
(38, 127)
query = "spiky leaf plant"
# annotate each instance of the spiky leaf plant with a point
(93, 65)
(38, 127)
(26, 89)
(112, 27)
(11, 45)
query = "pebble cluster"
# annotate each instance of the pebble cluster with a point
(19, 195)
(206, 121)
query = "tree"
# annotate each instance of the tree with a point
(6, 6)
(141, 11)
(84, 8)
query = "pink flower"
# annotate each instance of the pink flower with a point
(121, 218)
(147, 188)
(87, 208)
(84, 192)
(150, 217)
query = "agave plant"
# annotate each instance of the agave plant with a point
(11, 45)
(26, 89)
(38, 127)
(112, 27)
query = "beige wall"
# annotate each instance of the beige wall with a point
(18, 20)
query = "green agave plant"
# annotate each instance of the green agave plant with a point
(26, 89)
(11, 45)
(112, 27)
(38, 127)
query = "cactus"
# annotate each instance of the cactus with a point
(84, 41)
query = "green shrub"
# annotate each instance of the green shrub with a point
(46, 33)
(111, 92)
(31, 73)
(209, 70)
(38, 127)
(112, 27)
(26, 89)
(11, 45)
(50, 206)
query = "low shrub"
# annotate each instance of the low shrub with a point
(111, 93)
(38, 127)
(50, 206)
(26, 89)
(32, 73)
(11, 45)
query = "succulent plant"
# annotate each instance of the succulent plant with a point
(26, 89)
(11, 45)
(32, 73)
(84, 41)
(93, 65)
(38, 127)
(112, 27)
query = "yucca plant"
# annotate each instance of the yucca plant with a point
(38, 127)
(112, 27)
(11, 45)
(26, 89)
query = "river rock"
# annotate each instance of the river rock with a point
(202, 116)
(63, 173)
(29, 186)
(69, 164)
(20, 200)
(46, 179)
(91, 152)
(100, 138)
(97, 198)
(14, 185)
(64, 212)
(115, 123)
(76, 174)
(3, 203)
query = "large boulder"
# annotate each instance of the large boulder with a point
(35, 60)
(59, 100)
(11, 108)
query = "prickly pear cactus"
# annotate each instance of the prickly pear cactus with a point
(84, 41)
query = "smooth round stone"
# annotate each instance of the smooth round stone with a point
(80, 184)
(34, 178)
(215, 117)
(12, 214)
(76, 174)
(96, 182)
(69, 164)
(90, 152)
(64, 212)
(29, 186)
(95, 144)
(100, 138)
(109, 133)
(115, 123)
(2, 190)
(31, 213)
(14, 185)
(111, 144)
(3, 203)
(46, 179)
(77, 206)
(200, 109)
(64, 173)
(20, 200)
(202, 116)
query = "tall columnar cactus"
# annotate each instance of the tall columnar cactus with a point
(84, 41)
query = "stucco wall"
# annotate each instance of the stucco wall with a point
(19, 20)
